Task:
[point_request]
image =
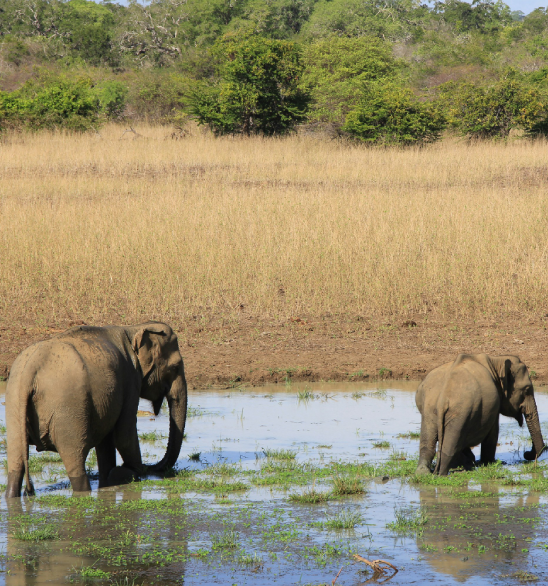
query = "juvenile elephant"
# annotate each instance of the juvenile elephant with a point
(460, 403)
(80, 390)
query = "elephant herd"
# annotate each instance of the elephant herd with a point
(81, 389)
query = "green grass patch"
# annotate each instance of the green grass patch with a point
(310, 497)
(91, 572)
(342, 520)
(347, 485)
(408, 522)
(226, 540)
(382, 445)
(410, 435)
(25, 533)
(280, 454)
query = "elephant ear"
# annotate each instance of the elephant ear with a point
(146, 345)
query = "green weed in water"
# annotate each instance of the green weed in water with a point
(26, 533)
(347, 485)
(408, 521)
(280, 454)
(310, 497)
(382, 445)
(410, 435)
(91, 572)
(226, 540)
(343, 520)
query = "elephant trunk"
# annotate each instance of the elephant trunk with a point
(533, 425)
(177, 401)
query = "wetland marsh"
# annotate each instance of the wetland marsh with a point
(283, 485)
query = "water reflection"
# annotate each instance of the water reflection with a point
(473, 533)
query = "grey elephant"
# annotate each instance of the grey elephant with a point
(80, 390)
(460, 403)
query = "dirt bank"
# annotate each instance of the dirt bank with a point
(254, 352)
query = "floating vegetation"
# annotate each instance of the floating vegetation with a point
(382, 444)
(280, 454)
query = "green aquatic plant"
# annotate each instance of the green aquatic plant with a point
(310, 496)
(347, 485)
(226, 540)
(408, 521)
(280, 454)
(382, 444)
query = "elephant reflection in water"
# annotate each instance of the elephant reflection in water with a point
(469, 524)
(55, 562)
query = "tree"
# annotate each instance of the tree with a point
(336, 70)
(492, 111)
(388, 114)
(387, 19)
(256, 90)
(479, 15)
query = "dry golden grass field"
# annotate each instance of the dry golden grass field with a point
(275, 255)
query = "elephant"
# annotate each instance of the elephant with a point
(460, 403)
(80, 390)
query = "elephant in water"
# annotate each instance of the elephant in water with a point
(80, 390)
(460, 403)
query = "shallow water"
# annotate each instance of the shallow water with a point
(155, 533)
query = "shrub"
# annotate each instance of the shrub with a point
(336, 69)
(391, 115)
(257, 88)
(492, 111)
(49, 103)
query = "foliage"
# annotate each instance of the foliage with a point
(51, 103)
(493, 110)
(336, 69)
(386, 19)
(389, 114)
(257, 89)
(485, 16)
(112, 96)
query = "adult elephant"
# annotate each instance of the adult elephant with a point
(80, 390)
(460, 403)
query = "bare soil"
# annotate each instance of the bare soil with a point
(251, 351)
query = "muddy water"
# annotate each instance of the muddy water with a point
(156, 533)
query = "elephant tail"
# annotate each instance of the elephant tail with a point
(26, 391)
(442, 410)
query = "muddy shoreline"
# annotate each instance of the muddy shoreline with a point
(251, 351)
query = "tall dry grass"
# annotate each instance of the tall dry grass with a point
(101, 228)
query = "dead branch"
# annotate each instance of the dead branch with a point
(380, 567)
(337, 577)
(130, 129)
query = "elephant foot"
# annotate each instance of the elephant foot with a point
(422, 469)
(80, 483)
(121, 475)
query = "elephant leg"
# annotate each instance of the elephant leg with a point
(429, 438)
(126, 439)
(489, 444)
(469, 458)
(106, 459)
(75, 464)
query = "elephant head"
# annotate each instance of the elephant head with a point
(157, 350)
(518, 399)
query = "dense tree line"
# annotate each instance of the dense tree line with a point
(389, 71)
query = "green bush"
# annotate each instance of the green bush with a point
(51, 103)
(492, 111)
(257, 88)
(336, 69)
(391, 115)
(112, 97)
